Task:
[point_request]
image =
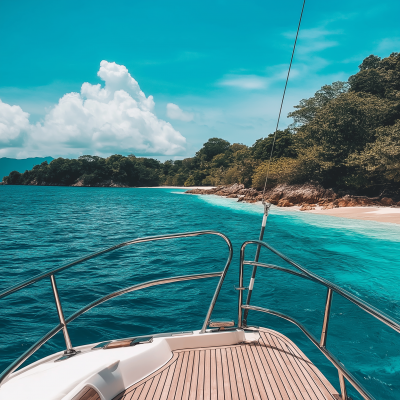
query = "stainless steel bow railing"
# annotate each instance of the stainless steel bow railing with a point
(64, 321)
(321, 344)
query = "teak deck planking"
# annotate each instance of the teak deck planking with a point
(273, 368)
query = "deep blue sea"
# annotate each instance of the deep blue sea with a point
(45, 227)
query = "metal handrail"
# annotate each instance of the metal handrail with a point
(304, 273)
(63, 322)
(389, 321)
(46, 274)
(20, 360)
(323, 349)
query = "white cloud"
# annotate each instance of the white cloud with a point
(116, 118)
(14, 123)
(313, 40)
(174, 112)
(244, 81)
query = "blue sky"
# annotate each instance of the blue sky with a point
(221, 65)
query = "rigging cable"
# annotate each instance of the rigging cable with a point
(267, 205)
(283, 98)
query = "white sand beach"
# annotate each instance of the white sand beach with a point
(379, 214)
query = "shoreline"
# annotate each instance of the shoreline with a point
(366, 213)
(313, 199)
(383, 214)
(377, 214)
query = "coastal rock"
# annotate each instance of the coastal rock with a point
(307, 207)
(196, 191)
(109, 183)
(78, 183)
(298, 194)
(308, 194)
(274, 197)
(329, 206)
(284, 203)
(234, 189)
(386, 201)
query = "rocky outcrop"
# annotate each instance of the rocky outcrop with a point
(110, 183)
(306, 196)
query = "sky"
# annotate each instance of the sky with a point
(158, 79)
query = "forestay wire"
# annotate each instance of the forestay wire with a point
(283, 98)
(267, 205)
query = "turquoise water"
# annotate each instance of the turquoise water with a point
(44, 227)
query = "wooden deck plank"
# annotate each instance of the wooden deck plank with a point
(195, 374)
(317, 381)
(145, 391)
(226, 376)
(220, 375)
(207, 375)
(168, 381)
(200, 379)
(298, 376)
(188, 377)
(154, 385)
(292, 373)
(161, 383)
(87, 393)
(263, 382)
(232, 375)
(238, 375)
(241, 378)
(268, 380)
(295, 349)
(272, 371)
(175, 377)
(281, 368)
(213, 376)
(302, 372)
(250, 373)
(273, 368)
(182, 376)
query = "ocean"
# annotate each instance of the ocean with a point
(45, 227)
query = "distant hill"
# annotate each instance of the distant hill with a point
(12, 164)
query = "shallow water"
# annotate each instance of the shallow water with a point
(44, 227)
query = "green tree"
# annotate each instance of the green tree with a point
(308, 108)
(14, 178)
(379, 162)
(261, 149)
(211, 148)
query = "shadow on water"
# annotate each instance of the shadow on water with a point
(44, 227)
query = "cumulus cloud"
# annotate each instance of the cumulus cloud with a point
(116, 118)
(174, 112)
(14, 124)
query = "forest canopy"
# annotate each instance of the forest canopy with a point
(347, 136)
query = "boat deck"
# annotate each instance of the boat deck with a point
(271, 368)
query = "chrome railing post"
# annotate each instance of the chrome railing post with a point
(324, 332)
(240, 288)
(61, 316)
(343, 389)
(218, 289)
(256, 258)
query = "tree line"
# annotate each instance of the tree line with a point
(347, 136)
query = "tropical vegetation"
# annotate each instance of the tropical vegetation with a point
(347, 136)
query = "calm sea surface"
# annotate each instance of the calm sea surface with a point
(45, 227)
